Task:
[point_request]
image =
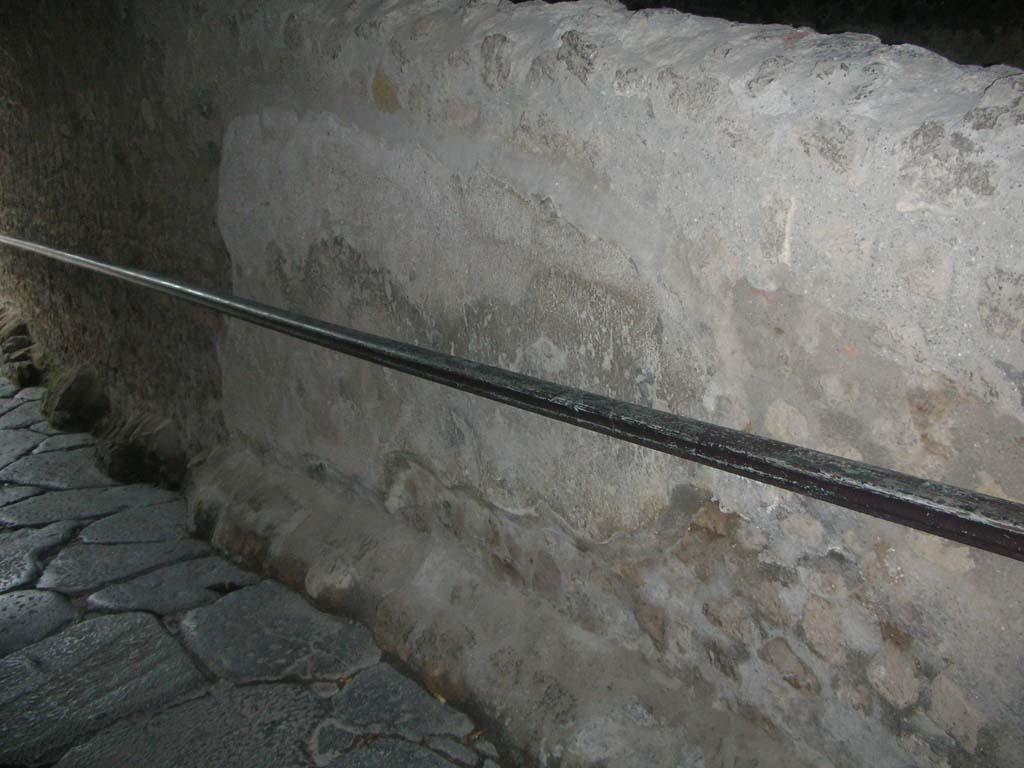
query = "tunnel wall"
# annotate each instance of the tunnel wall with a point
(95, 158)
(814, 238)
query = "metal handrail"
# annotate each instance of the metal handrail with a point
(981, 521)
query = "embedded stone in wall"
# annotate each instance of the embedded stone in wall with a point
(893, 674)
(954, 711)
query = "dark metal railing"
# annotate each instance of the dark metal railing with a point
(986, 522)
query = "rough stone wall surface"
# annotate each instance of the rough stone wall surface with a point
(969, 33)
(811, 237)
(94, 158)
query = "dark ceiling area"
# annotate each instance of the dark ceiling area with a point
(979, 32)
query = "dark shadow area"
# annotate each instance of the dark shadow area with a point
(983, 33)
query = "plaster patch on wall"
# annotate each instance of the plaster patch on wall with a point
(497, 63)
(944, 171)
(385, 96)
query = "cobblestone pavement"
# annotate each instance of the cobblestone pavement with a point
(126, 643)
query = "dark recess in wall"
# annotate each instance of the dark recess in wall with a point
(967, 32)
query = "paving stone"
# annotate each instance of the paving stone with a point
(19, 551)
(453, 750)
(390, 753)
(173, 589)
(85, 567)
(382, 700)
(71, 684)
(7, 388)
(16, 443)
(329, 741)
(163, 522)
(24, 414)
(267, 632)
(30, 615)
(46, 428)
(58, 469)
(12, 493)
(258, 726)
(31, 393)
(82, 504)
(65, 441)
(8, 404)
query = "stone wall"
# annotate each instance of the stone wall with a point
(95, 157)
(809, 237)
(965, 32)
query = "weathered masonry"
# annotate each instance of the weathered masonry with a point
(815, 238)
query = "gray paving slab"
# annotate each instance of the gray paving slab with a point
(8, 404)
(267, 632)
(78, 468)
(16, 443)
(390, 753)
(29, 615)
(64, 441)
(258, 726)
(382, 700)
(23, 414)
(163, 522)
(31, 393)
(82, 504)
(82, 568)
(46, 428)
(173, 589)
(71, 684)
(7, 388)
(12, 493)
(20, 551)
